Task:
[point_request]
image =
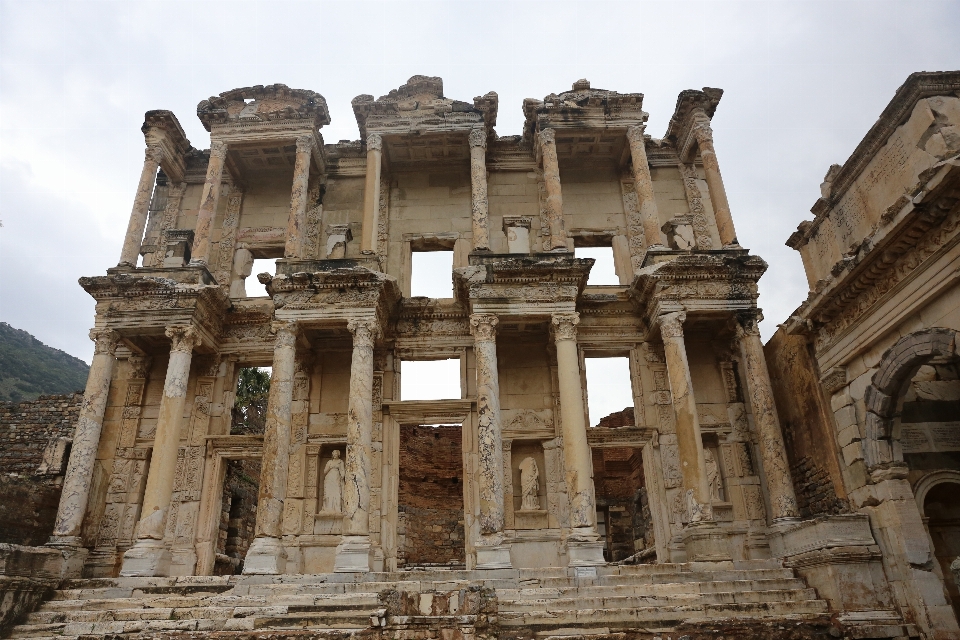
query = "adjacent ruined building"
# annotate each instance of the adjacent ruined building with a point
(505, 512)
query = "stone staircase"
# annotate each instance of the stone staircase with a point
(529, 603)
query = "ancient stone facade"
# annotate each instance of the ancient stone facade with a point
(867, 366)
(675, 518)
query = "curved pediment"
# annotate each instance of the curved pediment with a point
(264, 103)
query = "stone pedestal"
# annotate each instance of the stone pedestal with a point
(74, 555)
(266, 556)
(706, 542)
(585, 553)
(353, 555)
(494, 557)
(146, 558)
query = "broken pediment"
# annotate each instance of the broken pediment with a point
(264, 104)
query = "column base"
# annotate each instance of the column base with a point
(497, 557)
(585, 553)
(266, 556)
(146, 559)
(353, 555)
(74, 555)
(706, 542)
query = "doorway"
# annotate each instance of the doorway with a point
(238, 515)
(942, 510)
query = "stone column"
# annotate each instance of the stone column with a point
(371, 194)
(703, 539)
(776, 468)
(353, 552)
(583, 544)
(551, 182)
(643, 185)
(141, 205)
(478, 189)
(297, 220)
(83, 453)
(718, 194)
(491, 554)
(266, 554)
(148, 556)
(209, 199)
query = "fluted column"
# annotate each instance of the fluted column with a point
(266, 554)
(718, 194)
(490, 552)
(297, 220)
(643, 185)
(693, 467)
(371, 194)
(478, 190)
(353, 551)
(148, 557)
(86, 439)
(209, 199)
(141, 206)
(551, 181)
(773, 454)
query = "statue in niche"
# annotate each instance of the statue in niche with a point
(713, 474)
(529, 485)
(333, 475)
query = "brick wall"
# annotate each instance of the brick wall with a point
(28, 501)
(430, 526)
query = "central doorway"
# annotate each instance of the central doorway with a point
(430, 521)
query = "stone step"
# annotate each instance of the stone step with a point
(664, 600)
(339, 601)
(651, 589)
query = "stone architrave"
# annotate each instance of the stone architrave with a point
(689, 440)
(371, 194)
(297, 220)
(643, 185)
(149, 556)
(583, 544)
(553, 202)
(141, 205)
(266, 554)
(478, 189)
(353, 552)
(718, 194)
(490, 552)
(776, 467)
(86, 440)
(210, 198)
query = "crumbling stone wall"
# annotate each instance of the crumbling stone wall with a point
(430, 523)
(28, 499)
(238, 515)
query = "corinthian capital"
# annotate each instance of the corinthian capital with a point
(703, 133)
(635, 133)
(218, 149)
(565, 326)
(286, 332)
(153, 153)
(104, 341)
(547, 136)
(748, 323)
(374, 142)
(304, 144)
(478, 137)
(483, 326)
(671, 324)
(183, 339)
(364, 331)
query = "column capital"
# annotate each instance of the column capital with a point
(139, 366)
(365, 331)
(747, 323)
(478, 137)
(703, 132)
(218, 148)
(565, 325)
(547, 136)
(635, 133)
(287, 332)
(105, 341)
(483, 326)
(374, 142)
(304, 144)
(183, 338)
(671, 324)
(153, 153)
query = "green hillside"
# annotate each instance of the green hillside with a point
(29, 368)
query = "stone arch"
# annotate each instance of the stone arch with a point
(898, 365)
(931, 480)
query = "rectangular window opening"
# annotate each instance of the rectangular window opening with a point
(603, 272)
(609, 392)
(430, 379)
(252, 285)
(431, 274)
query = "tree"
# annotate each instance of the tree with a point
(250, 407)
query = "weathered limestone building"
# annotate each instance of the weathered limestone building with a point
(681, 519)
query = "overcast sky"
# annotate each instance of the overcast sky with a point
(803, 82)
